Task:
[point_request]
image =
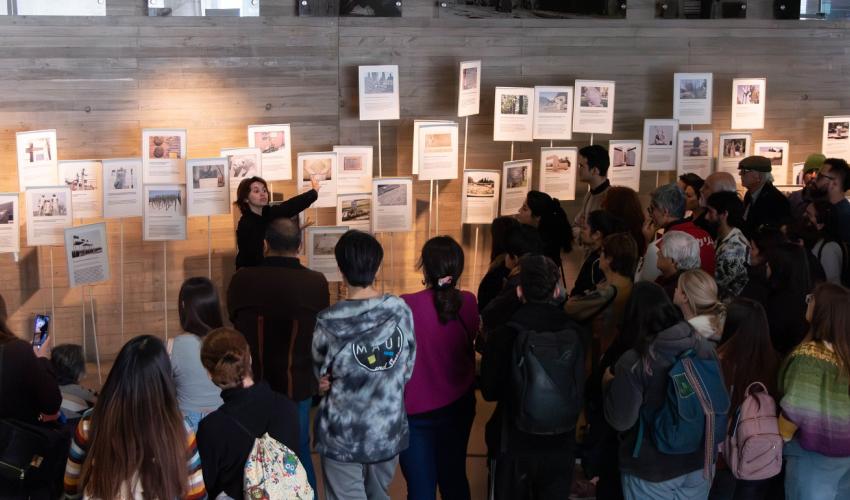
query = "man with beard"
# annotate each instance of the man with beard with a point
(725, 211)
(832, 182)
(801, 198)
(714, 183)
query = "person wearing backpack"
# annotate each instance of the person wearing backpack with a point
(658, 460)
(251, 409)
(815, 403)
(750, 366)
(533, 366)
(825, 244)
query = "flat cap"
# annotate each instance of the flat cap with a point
(757, 163)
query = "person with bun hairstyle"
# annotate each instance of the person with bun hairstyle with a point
(252, 199)
(440, 397)
(135, 443)
(545, 213)
(226, 436)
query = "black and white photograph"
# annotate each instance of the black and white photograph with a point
(86, 243)
(594, 97)
(242, 166)
(207, 176)
(392, 195)
(165, 201)
(661, 135)
(748, 94)
(78, 179)
(49, 204)
(357, 209)
(7, 212)
(379, 82)
(122, 178)
(698, 146)
(838, 130)
(512, 104)
(553, 102)
(86, 254)
(693, 88)
(480, 186)
(517, 177)
(269, 141)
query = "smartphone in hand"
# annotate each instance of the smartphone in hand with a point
(40, 330)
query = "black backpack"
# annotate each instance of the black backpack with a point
(546, 388)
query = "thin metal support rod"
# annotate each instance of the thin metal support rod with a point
(94, 335)
(165, 287)
(512, 150)
(52, 301)
(437, 217)
(430, 206)
(465, 140)
(209, 248)
(121, 286)
(474, 260)
(380, 152)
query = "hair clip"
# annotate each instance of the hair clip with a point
(444, 281)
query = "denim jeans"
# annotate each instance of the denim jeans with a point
(304, 442)
(812, 476)
(690, 486)
(436, 455)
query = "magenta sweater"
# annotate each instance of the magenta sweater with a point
(445, 361)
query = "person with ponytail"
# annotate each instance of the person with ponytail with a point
(545, 213)
(135, 443)
(226, 436)
(696, 296)
(440, 397)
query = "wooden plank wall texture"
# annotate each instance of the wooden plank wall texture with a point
(99, 81)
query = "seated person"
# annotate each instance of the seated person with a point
(69, 365)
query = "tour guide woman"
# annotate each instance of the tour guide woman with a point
(252, 198)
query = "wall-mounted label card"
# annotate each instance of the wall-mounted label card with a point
(84, 178)
(513, 116)
(553, 113)
(48, 215)
(122, 189)
(392, 205)
(207, 189)
(594, 107)
(378, 92)
(659, 145)
(87, 254)
(165, 212)
(748, 103)
(692, 98)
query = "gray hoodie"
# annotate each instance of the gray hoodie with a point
(368, 349)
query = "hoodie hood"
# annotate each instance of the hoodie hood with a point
(350, 319)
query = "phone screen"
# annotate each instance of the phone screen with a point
(40, 332)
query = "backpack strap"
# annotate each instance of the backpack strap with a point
(705, 401)
(245, 429)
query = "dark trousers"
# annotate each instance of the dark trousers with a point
(543, 477)
(436, 455)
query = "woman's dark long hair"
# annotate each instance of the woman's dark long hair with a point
(198, 306)
(623, 202)
(442, 264)
(137, 429)
(6, 334)
(789, 270)
(648, 312)
(746, 352)
(831, 321)
(499, 230)
(244, 190)
(555, 230)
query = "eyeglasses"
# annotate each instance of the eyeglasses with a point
(826, 177)
(810, 298)
(744, 171)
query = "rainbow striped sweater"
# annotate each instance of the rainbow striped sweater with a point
(815, 401)
(79, 448)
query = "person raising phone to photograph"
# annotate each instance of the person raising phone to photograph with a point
(252, 198)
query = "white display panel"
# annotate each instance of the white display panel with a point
(516, 183)
(469, 89)
(85, 179)
(10, 220)
(37, 158)
(513, 114)
(354, 169)
(731, 149)
(438, 150)
(418, 124)
(122, 189)
(207, 191)
(659, 145)
(392, 205)
(836, 137)
(594, 107)
(692, 98)
(558, 169)
(321, 241)
(164, 156)
(321, 167)
(695, 150)
(49, 213)
(87, 254)
(480, 204)
(165, 212)
(379, 93)
(748, 103)
(553, 113)
(242, 163)
(275, 145)
(625, 165)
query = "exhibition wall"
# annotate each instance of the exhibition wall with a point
(100, 81)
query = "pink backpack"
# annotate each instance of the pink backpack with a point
(753, 449)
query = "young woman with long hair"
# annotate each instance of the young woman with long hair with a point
(440, 397)
(696, 296)
(815, 386)
(252, 200)
(497, 272)
(623, 202)
(546, 214)
(200, 312)
(250, 409)
(134, 443)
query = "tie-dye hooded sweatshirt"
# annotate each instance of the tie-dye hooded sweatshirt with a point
(368, 349)
(815, 400)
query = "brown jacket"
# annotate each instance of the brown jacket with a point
(275, 306)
